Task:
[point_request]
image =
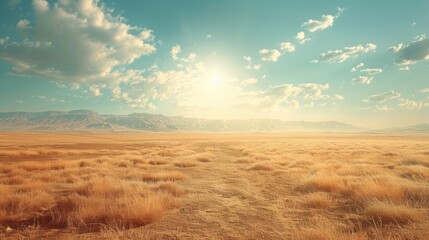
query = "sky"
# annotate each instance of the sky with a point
(361, 62)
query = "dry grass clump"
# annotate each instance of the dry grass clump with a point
(185, 164)
(205, 157)
(171, 188)
(261, 166)
(16, 207)
(84, 190)
(326, 183)
(158, 162)
(162, 176)
(317, 200)
(391, 213)
(385, 190)
(129, 211)
(245, 160)
(167, 153)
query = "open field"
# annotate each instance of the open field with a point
(213, 186)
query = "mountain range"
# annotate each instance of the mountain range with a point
(87, 120)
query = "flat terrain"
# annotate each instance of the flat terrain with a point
(213, 186)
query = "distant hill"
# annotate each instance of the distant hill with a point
(413, 128)
(86, 120)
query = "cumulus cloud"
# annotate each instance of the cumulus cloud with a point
(285, 94)
(362, 80)
(325, 22)
(354, 69)
(249, 65)
(287, 47)
(341, 55)
(273, 55)
(147, 34)
(95, 90)
(300, 37)
(75, 41)
(426, 90)
(270, 55)
(175, 50)
(410, 104)
(23, 24)
(249, 81)
(253, 67)
(382, 97)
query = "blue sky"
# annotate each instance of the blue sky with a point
(361, 62)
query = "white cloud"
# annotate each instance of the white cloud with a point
(406, 68)
(19, 101)
(253, 67)
(410, 104)
(396, 48)
(339, 56)
(269, 55)
(354, 69)
(325, 22)
(426, 90)
(287, 47)
(75, 42)
(294, 104)
(383, 108)
(4, 40)
(116, 93)
(337, 97)
(301, 38)
(23, 24)
(208, 36)
(249, 81)
(95, 90)
(382, 97)
(372, 71)
(147, 34)
(362, 80)
(175, 50)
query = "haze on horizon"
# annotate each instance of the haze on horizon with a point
(357, 62)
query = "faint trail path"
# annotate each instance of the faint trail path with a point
(227, 202)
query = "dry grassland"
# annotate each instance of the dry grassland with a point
(213, 186)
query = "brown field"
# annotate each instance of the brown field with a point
(213, 186)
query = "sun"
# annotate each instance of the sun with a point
(215, 78)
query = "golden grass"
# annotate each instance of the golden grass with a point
(390, 213)
(264, 166)
(158, 162)
(162, 176)
(279, 186)
(171, 188)
(317, 200)
(185, 164)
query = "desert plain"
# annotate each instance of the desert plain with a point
(214, 186)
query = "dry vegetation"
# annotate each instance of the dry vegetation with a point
(245, 186)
